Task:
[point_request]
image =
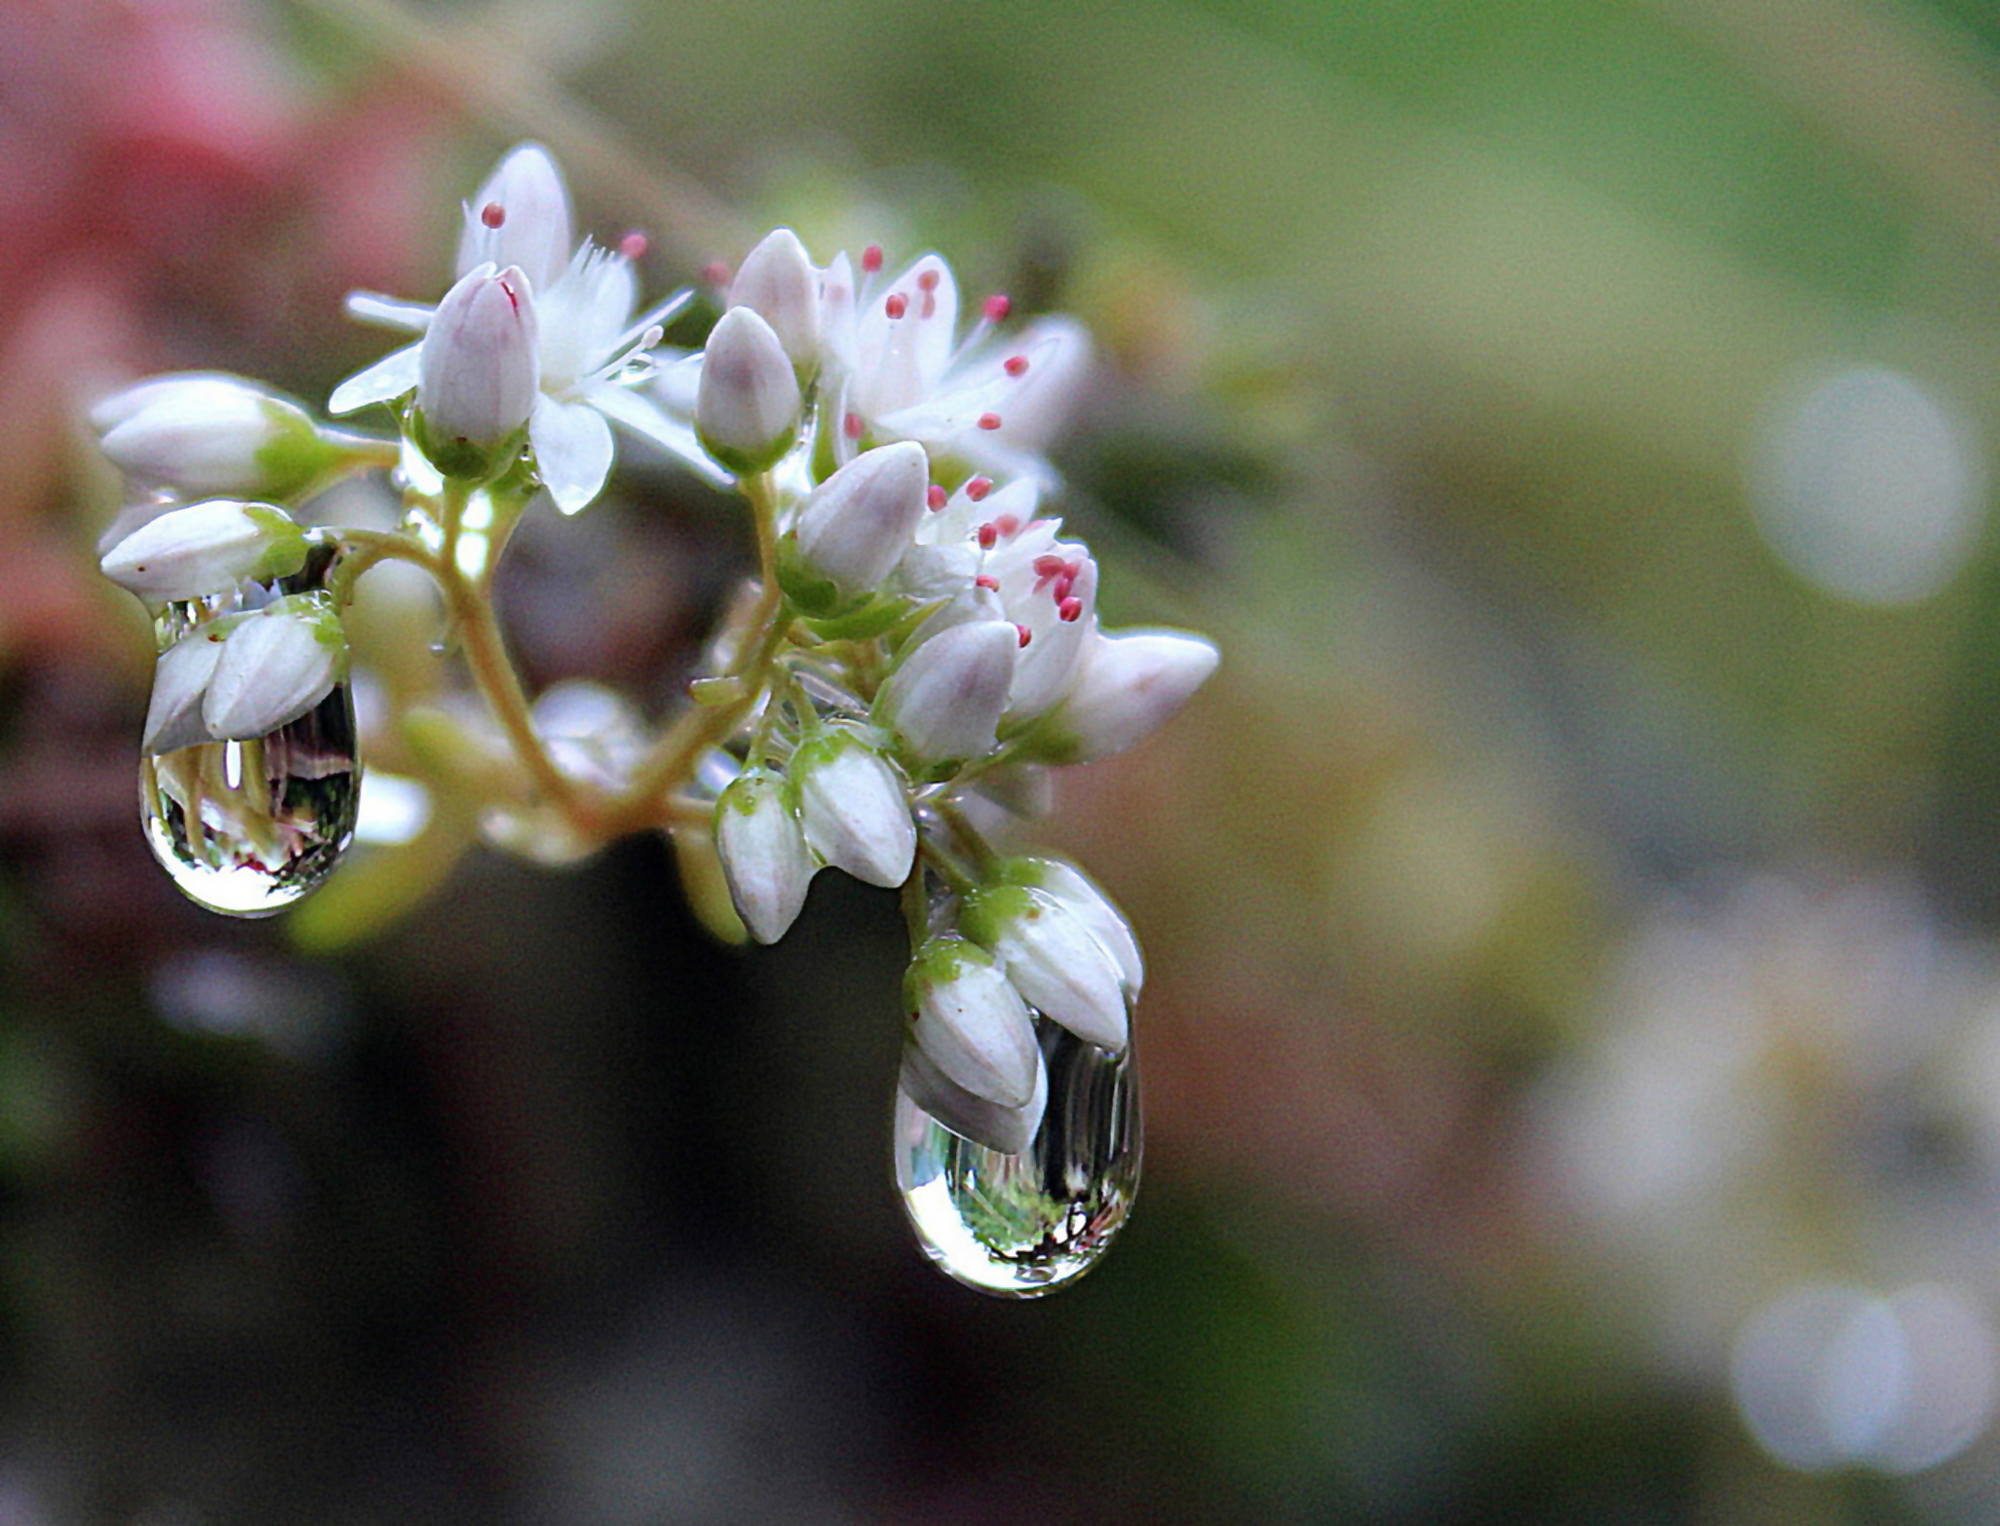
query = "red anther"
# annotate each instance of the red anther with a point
(1065, 585)
(989, 537)
(634, 245)
(978, 488)
(996, 307)
(1070, 610)
(851, 426)
(715, 273)
(897, 305)
(1049, 565)
(930, 306)
(493, 214)
(928, 280)
(935, 496)
(1017, 365)
(987, 581)
(989, 421)
(1026, 634)
(513, 296)
(1008, 524)
(871, 258)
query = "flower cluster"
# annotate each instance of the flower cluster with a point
(920, 645)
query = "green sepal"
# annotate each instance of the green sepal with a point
(812, 595)
(939, 960)
(296, 458)
(875, 616)
(462, 459)
(990, 912)
(284, 542)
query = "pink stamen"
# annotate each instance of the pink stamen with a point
(1008, 524)
(493, 214)
(1070, 610)
(1049, 566)
(935, 496)
(512, 296)
(989, 421)
(851, 426)
(989, 537)
(928, 280)
(634, 246)
(996, 307)
(930, 306)
(871, 258)
(987, 581)
(1026, 634)
(1064, 586)
(897, 305)
(1017, 365)
(715, 273)
(978, 488)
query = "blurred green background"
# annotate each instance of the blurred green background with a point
(1572, 1038)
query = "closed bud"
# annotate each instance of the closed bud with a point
(274, 667)
(206, 548)
(1010, 1130)
(778, 281)
(1127, 686)
(854, 809)
(1052, 958)
(943, 701)
(479, 372)
(970, 1023)
(746, 410)
(211, 434)
(1107, 924)
(764, 854)
(855, 526)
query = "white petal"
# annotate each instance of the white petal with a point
(900, 360)
(572, 451)
(1008, 1130)
(272, 670)
(390, 377)
(535, 231)
(676, 436)
(389, 312)
(180, 677)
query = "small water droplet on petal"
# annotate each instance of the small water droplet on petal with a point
(1020, 1226)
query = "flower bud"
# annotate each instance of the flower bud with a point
(944, 699)
(203, 434)
(521, 217)
(1076, 891)
(747, 409)
(855, 526)
(180, 682)
(764, 855)
(777, 280)
(204, 549)
(1010, 1130)
(1053, 960)
(854, 810)
(970, 1023)
(275, 667)
(1127, 686)
(479, 372)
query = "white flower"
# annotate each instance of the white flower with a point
(895, 369)
(180, 680)
(747, 409)
(764, 854)
(1107, 924)
(1128, 684)
(1053, 959)
(592, 350)
(206, 433)
(970, 1023)
(206, 548)
(854, 809)
(944, 699)
(274, 667)
(777, 281)
(1009, 1130)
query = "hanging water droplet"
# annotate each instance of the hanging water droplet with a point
(248, 828)
(1019, 1226)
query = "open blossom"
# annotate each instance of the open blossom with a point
(894, 368)
(591, 351)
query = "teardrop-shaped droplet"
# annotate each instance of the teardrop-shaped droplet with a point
(1019, 1226)
(247, 828)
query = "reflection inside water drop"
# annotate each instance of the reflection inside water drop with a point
(1019, 1226)
(248, 828)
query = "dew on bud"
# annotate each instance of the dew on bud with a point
(1020, 1226)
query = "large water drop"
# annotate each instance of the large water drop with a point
(1019, 1226)
(248, 828)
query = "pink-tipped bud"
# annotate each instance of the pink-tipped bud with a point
(521, 216)
(855, 526)
(479, 371)
(944, 700)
